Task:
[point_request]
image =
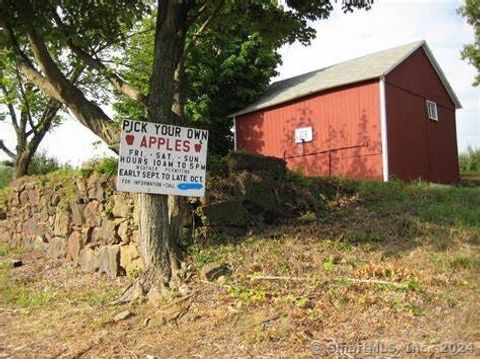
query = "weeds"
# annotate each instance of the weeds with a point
(246, 297)
(462, 261)
(107, 166)
(329, 264)
(24, 295)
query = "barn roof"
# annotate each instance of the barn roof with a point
(360, 69)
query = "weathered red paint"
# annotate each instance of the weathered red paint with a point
(347, 128)
(419, 147)
(346, 132)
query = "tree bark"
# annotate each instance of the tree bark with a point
(27, 146)
(21, 163)
(161, 216)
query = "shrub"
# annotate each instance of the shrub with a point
(107, 166)
(42, 164)
(216, 164)
(296, 176)
(6, 176)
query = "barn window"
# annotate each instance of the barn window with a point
(432, 110)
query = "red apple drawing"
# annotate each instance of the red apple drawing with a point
(129, 139)
(198, 147)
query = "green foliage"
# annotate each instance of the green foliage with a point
(27, 297)
(296, 176)
(21, 294)
(231, 63)
(6, 250)
(216, 164)
(246, 296)
(412, 285)
(456, 206)
(203, 256)
(217, 85)
(329, 264)
(30, 112)
(297, 302)
(463, 261)
(107, 166)
(85, 171)
(469, 161)
(4, 197)
(42, 164)
(99, 297)
(6, 176)
(471, 11)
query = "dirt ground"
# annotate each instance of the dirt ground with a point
(399, 281)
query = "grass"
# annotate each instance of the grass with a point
(387, 261)
(470, 161)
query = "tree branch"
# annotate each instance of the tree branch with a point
(6, 150)
(26, 113)
(24, 63)
(45, 121)
(205, 25)
(11, 109)
(44, 124)
(56, 85)
(117, 82)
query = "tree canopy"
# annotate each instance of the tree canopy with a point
(471, 52)
(215, 86)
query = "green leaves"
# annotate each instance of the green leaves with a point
(471, 11)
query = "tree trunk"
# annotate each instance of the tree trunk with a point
(161, 233)
(21, 163)
(161, 217)
(161, 227)
(26, 148)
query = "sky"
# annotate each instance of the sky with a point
(342, 37)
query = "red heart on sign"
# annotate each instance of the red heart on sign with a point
(129, 139)
(198, 147)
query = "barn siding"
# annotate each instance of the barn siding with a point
(346, 130)
(419, 147)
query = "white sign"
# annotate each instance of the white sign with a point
(303, 134)
(163, 159)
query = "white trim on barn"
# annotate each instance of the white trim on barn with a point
(383, 129)
(234, 133)
(423, 44)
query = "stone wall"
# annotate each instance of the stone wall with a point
(79, 219)
(84, 220)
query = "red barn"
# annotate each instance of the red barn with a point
(386, 115)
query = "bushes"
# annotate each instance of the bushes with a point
(6, 175)
(105, 166)
(469, 161)
(42, 164)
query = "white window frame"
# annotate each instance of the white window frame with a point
(432, 111)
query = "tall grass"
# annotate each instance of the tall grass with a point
(469, 161)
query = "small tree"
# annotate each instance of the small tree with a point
(471, 11)
(30, 112)
(31, 115)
